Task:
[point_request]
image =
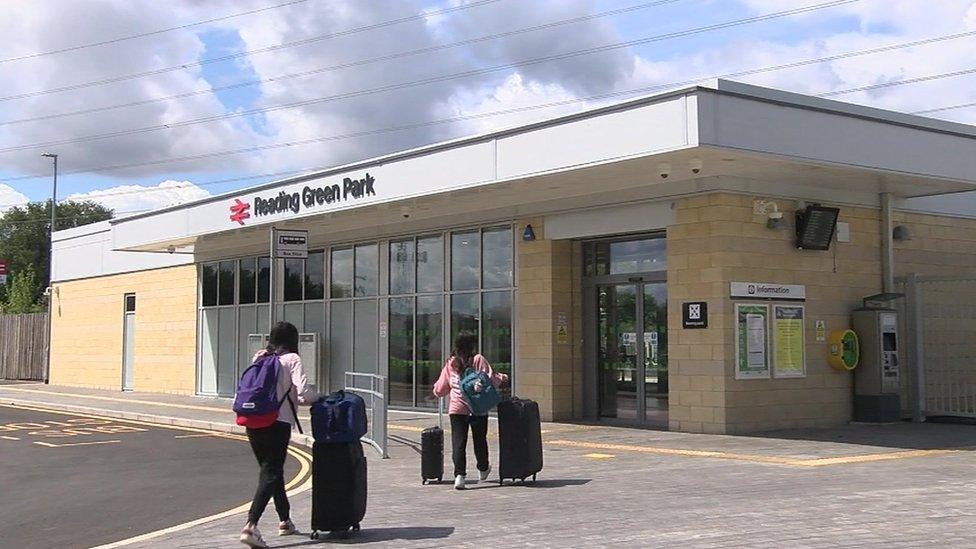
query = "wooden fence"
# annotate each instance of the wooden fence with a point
(23, 346)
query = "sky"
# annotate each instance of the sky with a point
(212, 99)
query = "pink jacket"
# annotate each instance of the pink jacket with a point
(449, 383)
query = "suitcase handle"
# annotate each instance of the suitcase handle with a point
(440, 412)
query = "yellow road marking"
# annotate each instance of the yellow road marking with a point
(406, 428)
(599, 456)
(304, 460)
(49, 445)
(115, 399)
(192, 436)
(818, 462)
(9, 438)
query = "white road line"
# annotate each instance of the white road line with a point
(9, 438)
(49, 445)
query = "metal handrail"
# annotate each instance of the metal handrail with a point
(375, 395)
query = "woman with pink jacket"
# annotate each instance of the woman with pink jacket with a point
(449, 383)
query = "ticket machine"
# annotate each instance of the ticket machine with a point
(877, 379)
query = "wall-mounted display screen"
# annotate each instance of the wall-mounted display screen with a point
(815, 227)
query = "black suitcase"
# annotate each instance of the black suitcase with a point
(338, 487)
(519, 440)
(432, 454)
(432, 449)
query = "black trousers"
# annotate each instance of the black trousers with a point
(459, 441)
(270, 446)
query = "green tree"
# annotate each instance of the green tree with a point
(25, 233)
(20, 298)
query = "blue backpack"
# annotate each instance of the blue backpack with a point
(480, 402)
(339, 418)
(256, 401)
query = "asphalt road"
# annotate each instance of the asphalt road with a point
(78, 481)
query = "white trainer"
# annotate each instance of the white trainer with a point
(459, 482)
(251, 537)
(287, 528)
(483, 475)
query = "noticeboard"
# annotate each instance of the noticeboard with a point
(751, 341)
(789, 341)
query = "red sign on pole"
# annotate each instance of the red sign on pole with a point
(3, 271)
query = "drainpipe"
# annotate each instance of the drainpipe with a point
(887, 245)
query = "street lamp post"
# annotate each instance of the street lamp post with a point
(50, 265)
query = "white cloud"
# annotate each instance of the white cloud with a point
(10, 197)
(29, 27)
(133, 198)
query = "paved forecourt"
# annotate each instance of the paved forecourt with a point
(79, 480)
(636, 492)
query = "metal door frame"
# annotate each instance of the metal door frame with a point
(592, 329)
(590, 286)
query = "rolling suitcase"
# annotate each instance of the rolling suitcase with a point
(432, 449)
(338, 487)
(519, 440)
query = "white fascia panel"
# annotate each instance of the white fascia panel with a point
(632, 132)
(411, 177)
(611, 220)
(742, 123)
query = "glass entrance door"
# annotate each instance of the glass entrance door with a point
(632, 351)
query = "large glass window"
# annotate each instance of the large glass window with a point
(626, 257)
(496, 335)
(226, 287)
(293, 279)
(465, 260)
(401, 351)
(430, 264)
(430, 347)
(341, 273)
(209, 284)
(402, 267)
(367, 270)
(420, 293)
(315, 276)
(340, 343)
(264, 279)
(465, 314)
(497, 258)
(364, 339)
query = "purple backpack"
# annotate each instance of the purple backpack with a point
(256, 401)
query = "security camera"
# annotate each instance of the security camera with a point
(664, 170)
(171, 249)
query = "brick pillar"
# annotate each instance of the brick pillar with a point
(547, 365)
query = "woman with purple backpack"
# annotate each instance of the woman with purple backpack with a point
(270, 443)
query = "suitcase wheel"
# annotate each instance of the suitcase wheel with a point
(314, 535)
(355, 527)
(533, 477)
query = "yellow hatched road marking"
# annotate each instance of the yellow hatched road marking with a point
(49, 445)
(116, 399)
(303, 480)
(817, 462)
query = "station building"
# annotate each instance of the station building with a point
(576, 248)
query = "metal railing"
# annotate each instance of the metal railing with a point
(373, 389)
(940, 321)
